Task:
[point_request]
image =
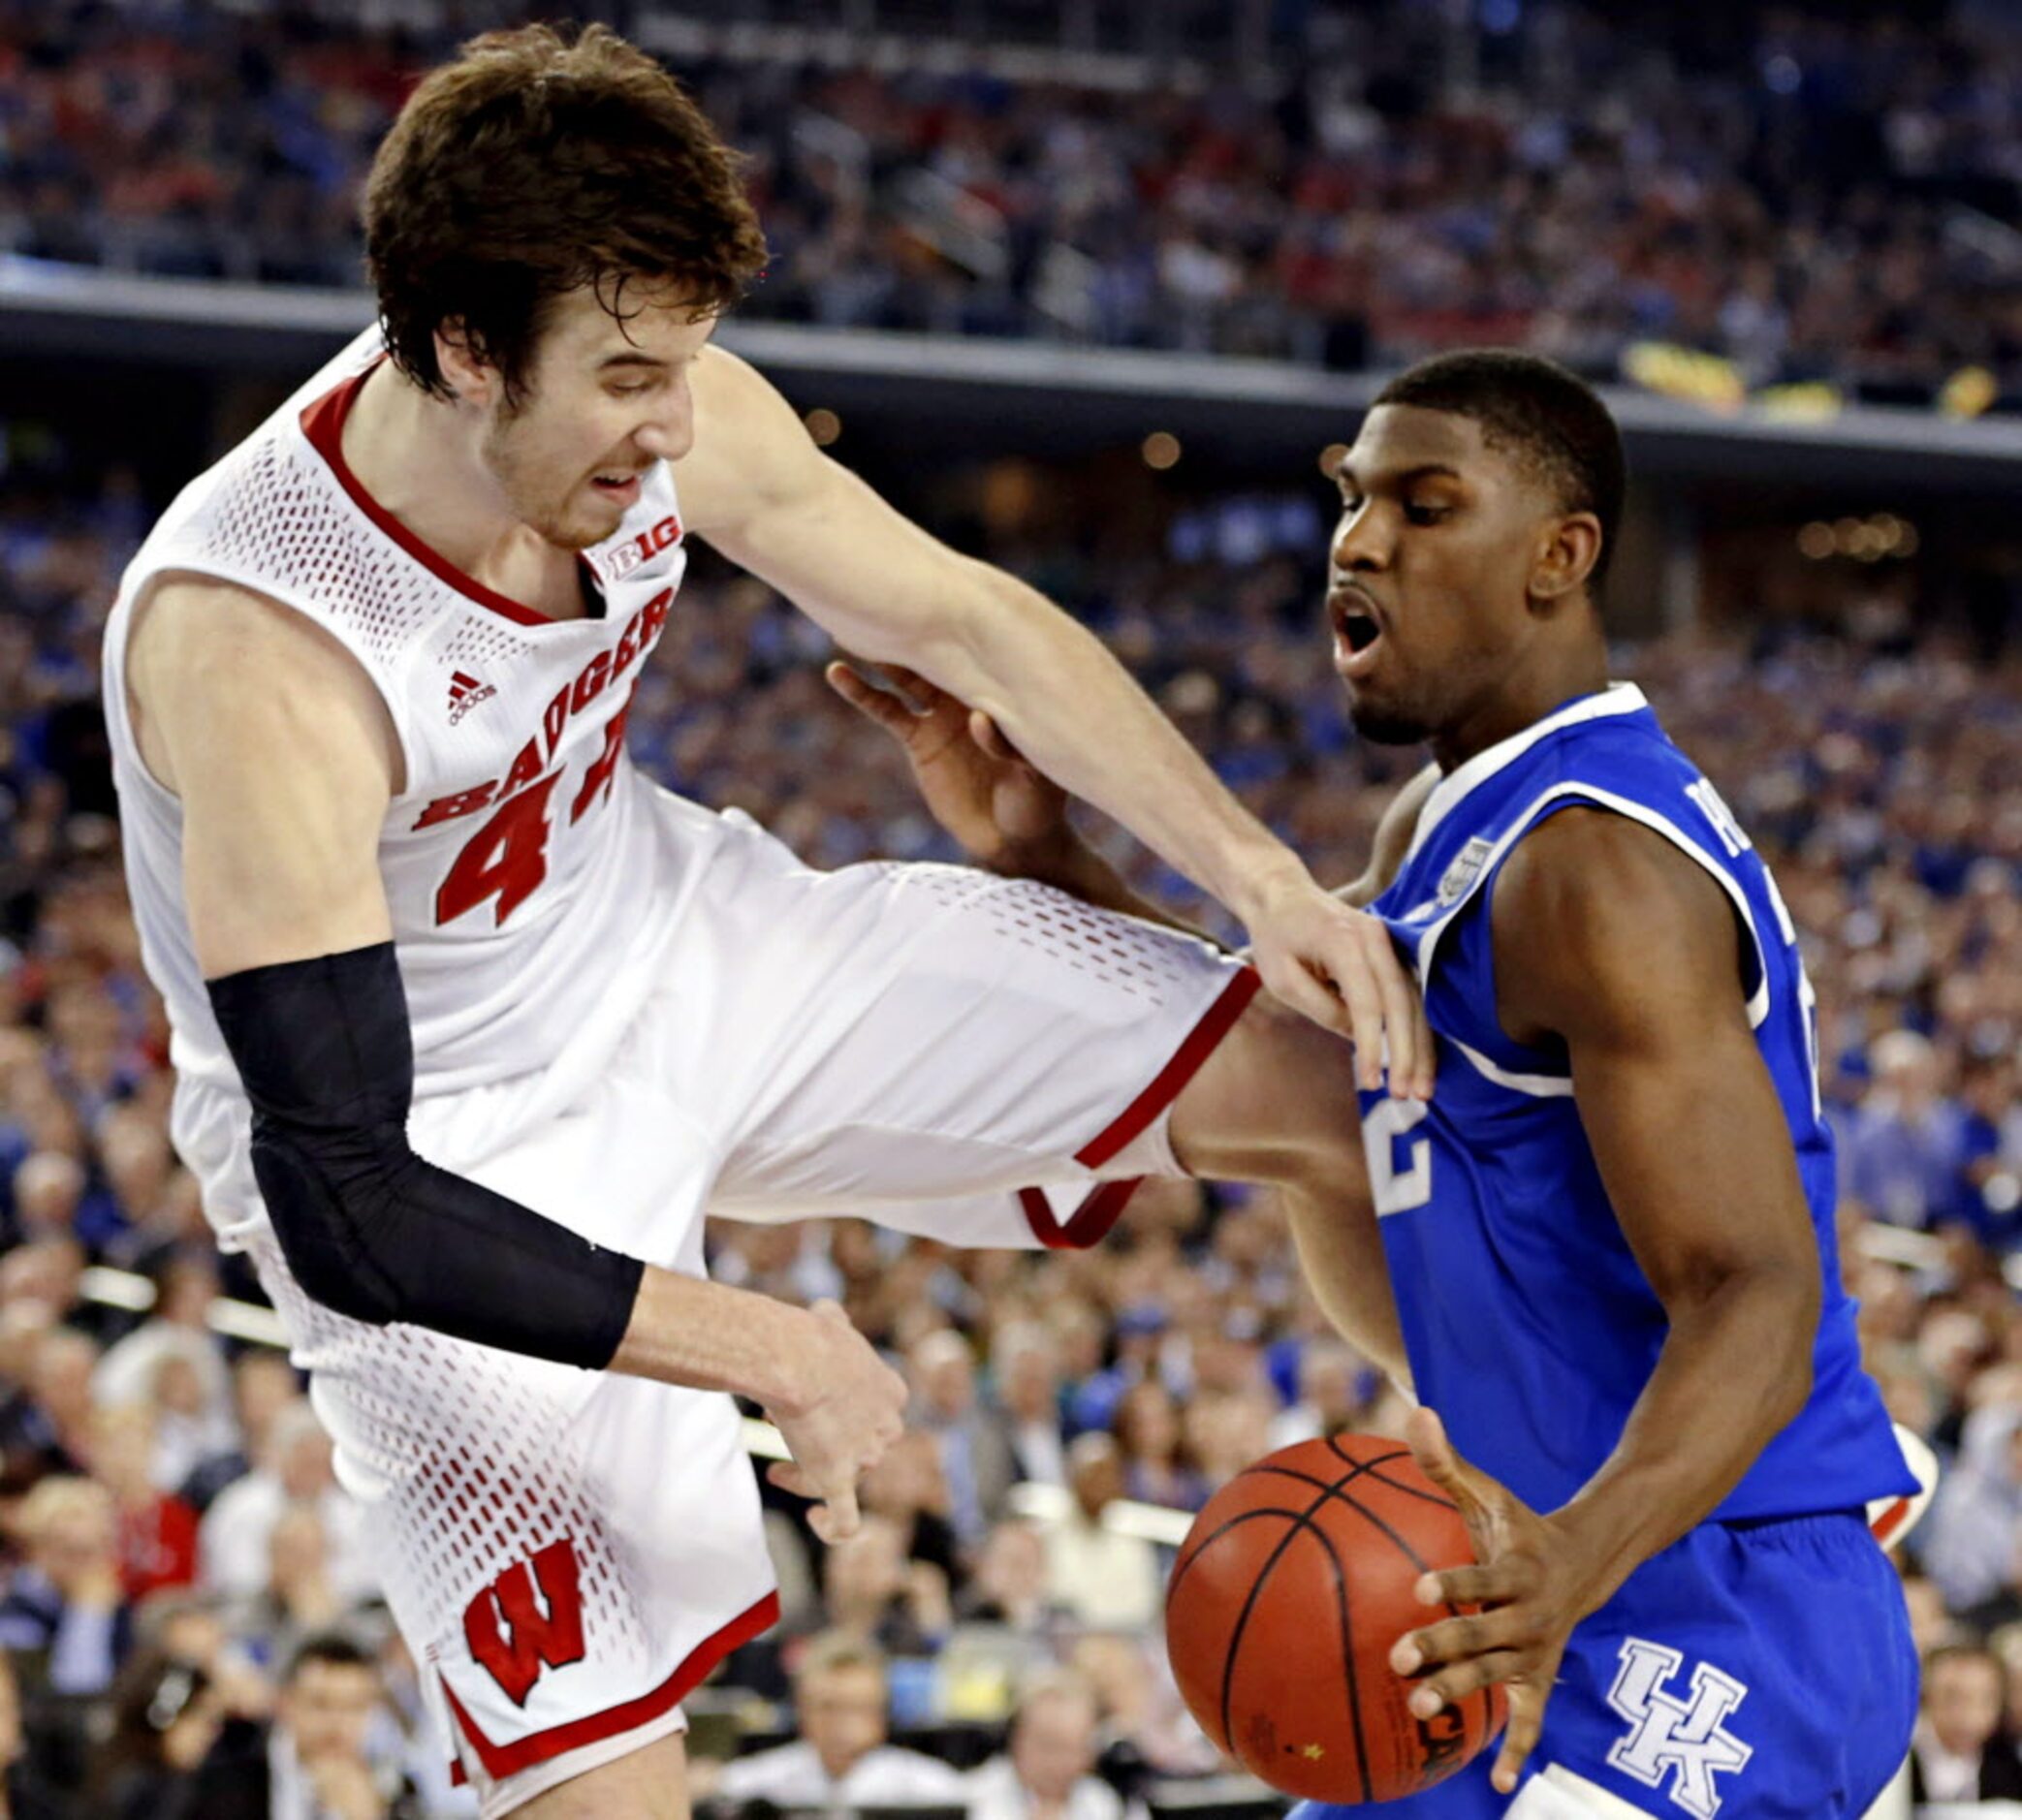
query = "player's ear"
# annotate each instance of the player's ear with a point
(1568, 551)
(471, 377)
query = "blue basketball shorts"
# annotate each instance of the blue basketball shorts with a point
(1757, 1671)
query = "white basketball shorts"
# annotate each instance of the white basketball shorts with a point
(568, 1553)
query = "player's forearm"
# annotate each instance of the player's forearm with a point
(1074, 711)
(1340, 1256)
(1735, 1368)
(709, 1336)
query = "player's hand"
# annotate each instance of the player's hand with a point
(853, 1411)
(1529, 1584)
(1003, 813)
(1337, 966)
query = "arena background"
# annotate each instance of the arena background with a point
(1092, 286)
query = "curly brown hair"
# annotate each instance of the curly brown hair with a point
(534, 165)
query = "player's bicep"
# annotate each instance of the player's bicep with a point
(1626, 948)
(284, 760)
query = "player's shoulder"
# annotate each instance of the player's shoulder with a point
(204, 650)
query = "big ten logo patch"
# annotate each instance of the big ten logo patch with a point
(528, 1621)
(1685, 1739)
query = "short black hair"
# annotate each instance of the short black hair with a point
(1533, 408)
(335, 1648)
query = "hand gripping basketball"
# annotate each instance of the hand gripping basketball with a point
(1531, 1586)
(851, 1414)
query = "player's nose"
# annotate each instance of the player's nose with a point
(1360, 542)
(670, 432)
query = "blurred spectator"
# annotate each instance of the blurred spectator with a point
(299, 1599)
(1906, 1149)
(1147, 1436)
(1959, 1752)
(975, 1451)
(1029, 1391)
(262, 1385)
(237, 1532)
(840, 1759)
(1332, 1400)
(1104, 1578)
(166, 1717)
(313, 1758)
(875, 1595)
(1048, 1773)
(1810, 197)
(1978, 1514)
(1010, 1583)
(157, 1530)
(63, 1609)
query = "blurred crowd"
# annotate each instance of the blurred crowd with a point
(1809, 194)
(186, 1617)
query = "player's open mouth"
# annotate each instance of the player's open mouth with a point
(1357, 631)
(619, 488)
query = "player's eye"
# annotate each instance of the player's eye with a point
(1417, 512)
(630, 391)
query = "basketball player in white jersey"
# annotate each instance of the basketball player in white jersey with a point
(472, 1022)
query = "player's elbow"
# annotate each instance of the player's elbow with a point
(318, 1221)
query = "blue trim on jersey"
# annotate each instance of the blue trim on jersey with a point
(1530, 1325)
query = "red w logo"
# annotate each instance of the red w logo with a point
(552, 1639)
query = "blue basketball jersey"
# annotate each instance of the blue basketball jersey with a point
(1530, 1325)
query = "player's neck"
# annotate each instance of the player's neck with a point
(418, 461)
(1526, 692)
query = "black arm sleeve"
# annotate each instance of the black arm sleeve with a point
(368, 1228)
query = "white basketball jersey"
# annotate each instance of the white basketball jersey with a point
(525, 875)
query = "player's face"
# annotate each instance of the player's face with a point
(1427, 591)
(604, 400)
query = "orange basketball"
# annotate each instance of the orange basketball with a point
(1290, 1591)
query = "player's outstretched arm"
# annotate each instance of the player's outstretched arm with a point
(285, 760)
(1010, 817)
(1610, 939)
(757, 487)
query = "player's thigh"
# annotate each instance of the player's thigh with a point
(893, 1033)
(650, 1783)
(1276, 1100)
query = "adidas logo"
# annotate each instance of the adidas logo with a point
(465, 693)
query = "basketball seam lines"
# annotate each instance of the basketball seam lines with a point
(1302, 1520)
(1487, 1691)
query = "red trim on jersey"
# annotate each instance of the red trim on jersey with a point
(1201, 1043)
(322, 424)
(1885, 1525)
(1087, 1225)
(593, 1728)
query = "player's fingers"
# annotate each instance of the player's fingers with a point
(1455, 1683)
(1356, 981)
(993, 738)
(1405, 1041)
(1425, 1434)
(839, 1512)
(789, 1477)
(1514, 1577)
(1526, 1725)
(1291, 983)
(869, 700)
(1458, 1640)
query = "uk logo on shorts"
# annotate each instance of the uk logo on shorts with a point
(1683, 1739)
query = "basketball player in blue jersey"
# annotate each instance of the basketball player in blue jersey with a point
(1610, 1232)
